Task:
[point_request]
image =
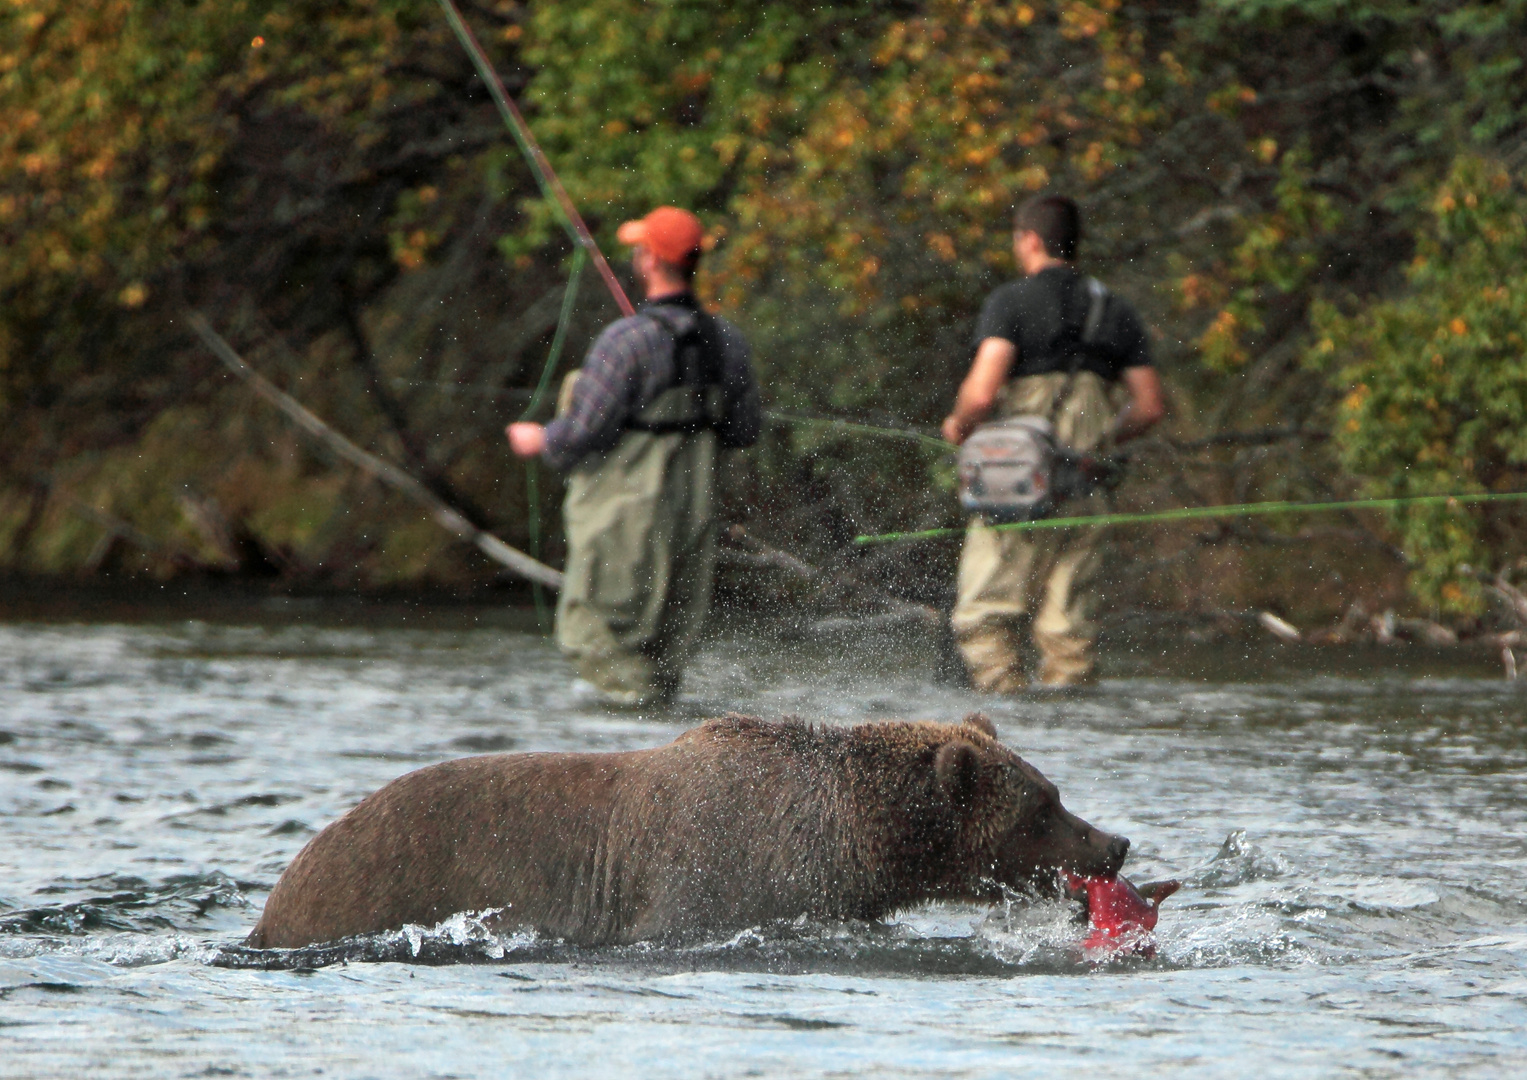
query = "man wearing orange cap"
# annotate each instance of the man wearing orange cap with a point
(639, 430)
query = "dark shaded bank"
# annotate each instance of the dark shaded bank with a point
(140, 601)
(1135, 643)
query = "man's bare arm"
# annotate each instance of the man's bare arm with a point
(978, 393)
(1147, 404)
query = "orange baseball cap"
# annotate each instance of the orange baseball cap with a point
(668, 232)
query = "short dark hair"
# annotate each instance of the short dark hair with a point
(1056, 219)
(685, 268)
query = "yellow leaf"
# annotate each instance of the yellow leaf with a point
(942, 245)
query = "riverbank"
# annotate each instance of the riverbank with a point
(1214, 646)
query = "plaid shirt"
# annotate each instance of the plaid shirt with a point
(629, 365)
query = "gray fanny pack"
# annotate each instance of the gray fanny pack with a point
(1016, 469)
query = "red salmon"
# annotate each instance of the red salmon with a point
(1120, 914)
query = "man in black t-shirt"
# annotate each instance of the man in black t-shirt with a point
(1026, 345)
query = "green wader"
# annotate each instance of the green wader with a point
(641, 553)
(1010, 580)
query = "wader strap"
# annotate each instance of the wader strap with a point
(696, 366)
(1096, 305)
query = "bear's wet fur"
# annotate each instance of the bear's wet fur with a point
(733, 824)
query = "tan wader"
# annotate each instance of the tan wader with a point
(1009, 578)
(641, 553)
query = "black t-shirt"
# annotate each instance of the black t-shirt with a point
(1043, 316)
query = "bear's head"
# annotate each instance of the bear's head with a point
(1014, 826)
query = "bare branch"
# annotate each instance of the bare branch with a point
(443, 514)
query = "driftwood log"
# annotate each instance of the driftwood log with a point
(442, 513)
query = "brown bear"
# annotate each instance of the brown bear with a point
(733, 824)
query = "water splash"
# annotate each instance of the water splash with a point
(466, 937)
(1237, 862)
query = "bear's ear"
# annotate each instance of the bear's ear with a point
(981, 722)
(956, 766)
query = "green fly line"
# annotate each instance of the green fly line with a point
(1190, 513)
(532, 473)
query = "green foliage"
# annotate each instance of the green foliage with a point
(1279, 254)
(1436, 380)
(865, 151)
(112, 131)
(294, 168)
(1403, 88)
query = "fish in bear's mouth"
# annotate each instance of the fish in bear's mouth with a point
(1121, 914)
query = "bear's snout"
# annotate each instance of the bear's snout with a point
(1118, 848)
(1055, 839)
(1102, 854)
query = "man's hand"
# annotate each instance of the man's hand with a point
(527, 440)
(1147, 404)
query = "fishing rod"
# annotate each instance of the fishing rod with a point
(546, 176)
(1189, 513)
(586, 249)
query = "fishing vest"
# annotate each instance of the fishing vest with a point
(693, 401)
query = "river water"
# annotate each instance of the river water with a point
(1352, 847)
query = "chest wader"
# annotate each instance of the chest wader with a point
(641, 538)
(1043, 579)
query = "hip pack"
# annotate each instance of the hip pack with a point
(1016, 469)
